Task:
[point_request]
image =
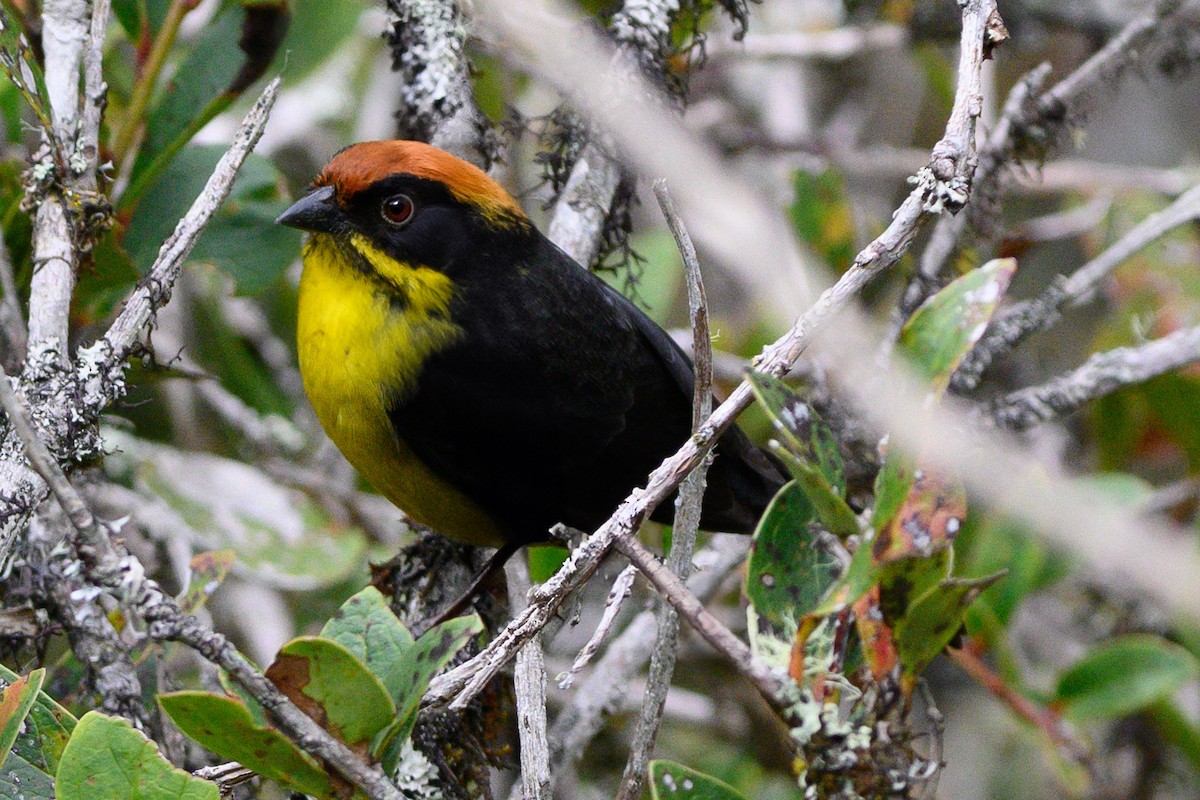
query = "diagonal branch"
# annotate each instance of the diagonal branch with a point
(1030, 316)
(109, 566)
(943, 182)
(1102, 374)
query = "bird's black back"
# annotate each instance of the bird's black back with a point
(561, 397)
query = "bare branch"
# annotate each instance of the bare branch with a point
(12, 322)
(835, 45)
(687, 514)
(105, 360)
(617, 594)
(106, 563)
(1101, 374)
(1033, 120)
(938, 185)
(1031, 316)
(529, 681)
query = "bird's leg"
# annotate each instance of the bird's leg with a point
(494, 565)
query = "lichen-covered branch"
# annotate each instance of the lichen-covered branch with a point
(1030, 316)
(1101, 374)
(110, 568)
(437, 102)
(1031, 123)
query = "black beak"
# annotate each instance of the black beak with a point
(317, 211)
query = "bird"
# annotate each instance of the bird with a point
(475, 374)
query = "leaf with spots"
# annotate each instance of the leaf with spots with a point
(932, 621)
(800, 428)
(833, 512)
(15, 704)
(46, 730)
(20, 780)
(420, 663)
(943, 330)
(787, 574)
(366, 627)
(926, 521)
(672, 781)
(902, 580)
(225, 726)
(333, 687)
(209, 570)
(106, 758)
(892, 485)
(875, 635)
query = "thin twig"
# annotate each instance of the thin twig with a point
(938, 185)
(1043, 719)
(529, 681)
(617, 594)
(1030, 118)
(601, 693)
(106, 563)
(1101, 374)
(835, 45)
(687, 512)
(1030, 316)
(106, 358)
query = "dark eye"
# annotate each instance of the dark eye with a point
(398, 209)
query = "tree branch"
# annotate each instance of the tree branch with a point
(117, 572)
(1102, 374)
(940, 184)
(1031, 316)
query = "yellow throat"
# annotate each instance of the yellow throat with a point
(363, 336)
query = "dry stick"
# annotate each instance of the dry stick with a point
(1101, 374)
(612, 605)
(529, 682)
(950, 168)
(1045, 720)
(687, 513)
(1030, 316)
(64, 31)
(601, 693)
(106, 358)
(1048, 113)
(110, 567)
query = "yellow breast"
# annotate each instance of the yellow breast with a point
(359, 349)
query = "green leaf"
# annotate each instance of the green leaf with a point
(946, 326)
(228, 57)
(106, 758)
(800, 428)
(933, 619)
(544, 561)
(903, 580)
(822, 216)
(46, 731)
(1003, 543)
(208, 571)
(421, 662)
(225, 726)
(1125, 675)
(242, 238)
(15, 704)
(786, 575)
(333, 687)
(928, 519)
(20, 780)
(834, 513)
(366, 627)
(19, 64)
(672, 781)
(892, 485)
(317, 32)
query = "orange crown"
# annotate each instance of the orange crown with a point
(360, 165)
